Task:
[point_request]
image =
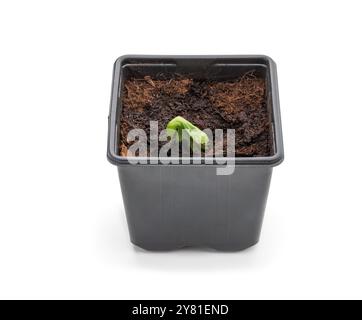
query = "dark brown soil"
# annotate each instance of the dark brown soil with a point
(238, 104)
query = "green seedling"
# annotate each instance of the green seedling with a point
(180, 124)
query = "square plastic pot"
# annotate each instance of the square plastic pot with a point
(174, 206)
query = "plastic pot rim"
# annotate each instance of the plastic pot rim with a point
(272, 160)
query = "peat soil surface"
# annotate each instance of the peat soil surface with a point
(238, 104)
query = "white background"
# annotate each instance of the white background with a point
(63, 232)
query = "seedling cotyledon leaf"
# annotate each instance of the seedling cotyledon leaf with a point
(179, 125)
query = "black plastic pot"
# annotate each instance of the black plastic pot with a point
(174, 206)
